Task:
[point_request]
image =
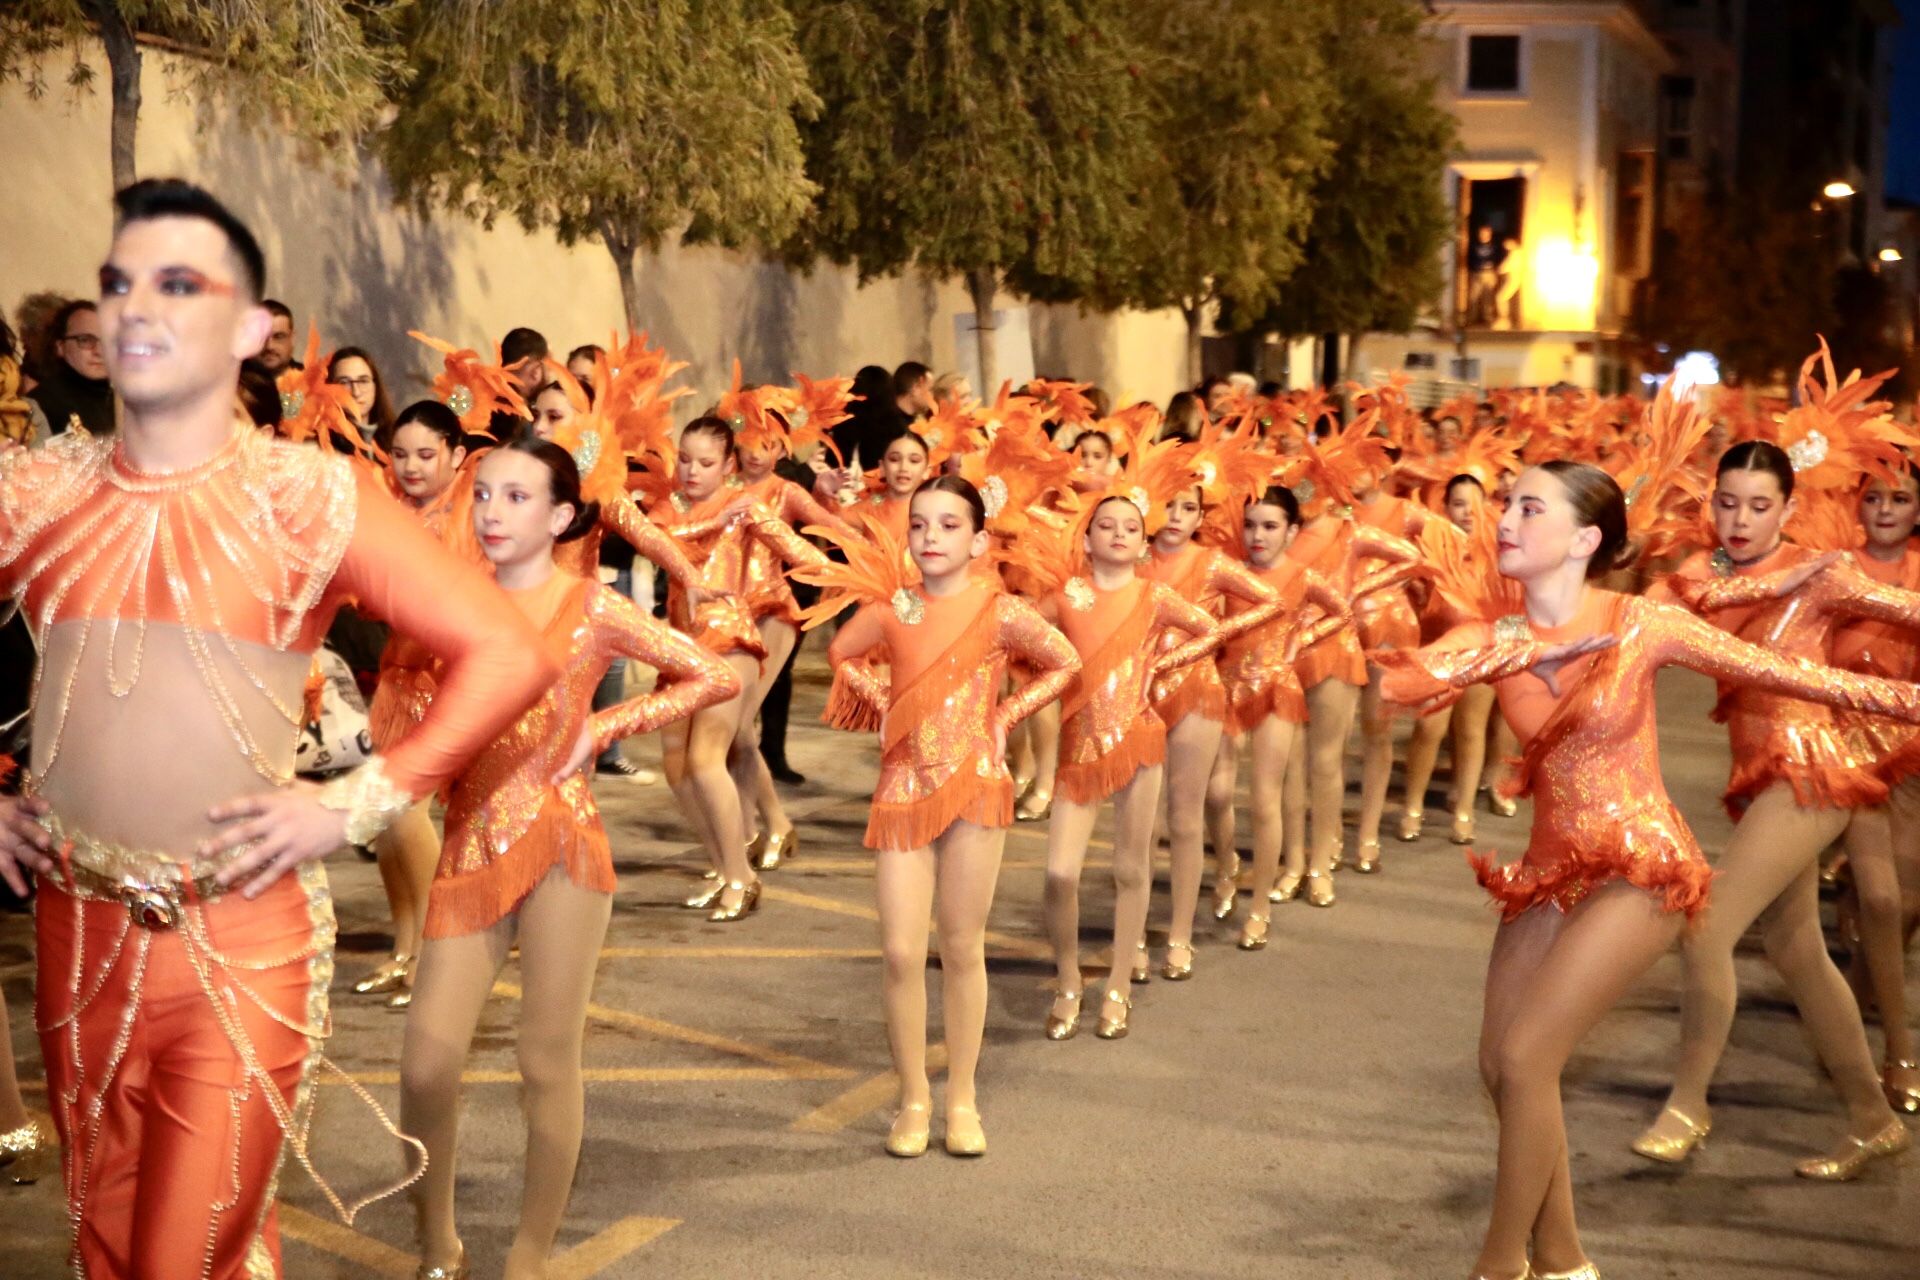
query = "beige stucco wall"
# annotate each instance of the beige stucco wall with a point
(341, 254)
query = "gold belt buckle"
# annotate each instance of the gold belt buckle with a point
(152, 909)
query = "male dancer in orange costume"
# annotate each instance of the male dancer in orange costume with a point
(178, 577)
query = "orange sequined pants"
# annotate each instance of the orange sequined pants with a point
(170, 1144)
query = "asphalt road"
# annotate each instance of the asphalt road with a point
(1312, 1110)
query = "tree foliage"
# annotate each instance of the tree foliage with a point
(316, 67)
(1380, 217)
(1746, 277)
(629, 120)
(995, 140)
(1238, 144)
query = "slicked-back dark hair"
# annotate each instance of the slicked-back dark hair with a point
(152, 198)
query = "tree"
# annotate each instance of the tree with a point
(627, 120)
(1380, 218)
(1239, 143)
(1748, 277)
(311, 65)
(993, 140)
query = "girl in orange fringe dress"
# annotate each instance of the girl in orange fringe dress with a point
(1872, 901)
(1111, 742)
(720, 525)
(1610, 872)
(1263, 700)
(1190, 700)
(1464, 504)
(430, 476)
(945, 798)
(1333, 672)
(526, 859)
(1799, 774)
(763, 434)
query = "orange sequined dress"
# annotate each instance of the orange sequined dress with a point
(1108, 731)
(768, 593)
(1827, 758)
(176, 616)
(1882, 649)
(1387, 619)
(937, 707)
(1260, 679)
(581, 557)
(1207, 577)
(508, 823)
(720, 544)
(1334, 547)
(1592, 756)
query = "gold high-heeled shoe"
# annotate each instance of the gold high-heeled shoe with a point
(1889, 1142)
(1177, 972)
(749, 891)
(1462, 832)
(401, 999)
(912, 1128)
(1142, 965)
(1501, 805)
(1366, 859)
(390, 975)
(1656, 1146)
(1585, 1271)
(1410, 822)
(1286, 888)
(774, 849)
(965, 1137)
(1902, 1095)
(1068, 1027)
(1035, 806)
(1251, 941)
(1319, 888)
(458, 1271)
(1223, 902)
(709, 894)
(26, 1153)
(1111, 1027)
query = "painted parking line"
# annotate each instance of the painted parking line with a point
(794, 1065)
(1026, 947)
(866, 1096)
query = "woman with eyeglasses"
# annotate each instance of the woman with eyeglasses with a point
(353, 368)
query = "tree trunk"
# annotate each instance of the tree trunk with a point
(1193, 313)
(624, 250)
(1353, 360)
(123, 64)
(982, 284)
(1329, 360)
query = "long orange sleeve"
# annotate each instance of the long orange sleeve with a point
(493, 668)
(692, 678)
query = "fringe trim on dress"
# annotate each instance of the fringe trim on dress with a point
(1144, 746)
(476, 900)
(985, 802)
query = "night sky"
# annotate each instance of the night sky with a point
(1903, 121)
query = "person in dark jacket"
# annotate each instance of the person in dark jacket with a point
(76, 385)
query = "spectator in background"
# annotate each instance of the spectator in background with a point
(954, 389)
(37, 313)
(581, 363)
(523, 354)
(1214, 393)
(276, 357)
(1241, 386)
(74, 387)
(912, 394)
(353, 368)
(1184, 417)
(260, 394)
(877, 419)
(1102, 402)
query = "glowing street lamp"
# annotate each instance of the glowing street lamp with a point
(1838, 190)
(1891, 254)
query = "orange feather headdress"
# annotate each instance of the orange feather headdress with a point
(1837, 433)
(1017, 470)
(314, 408)
(1067, 401)
(1330, 469)
(760, 417)
(875, 570)
(471, 387)
(589, 437)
